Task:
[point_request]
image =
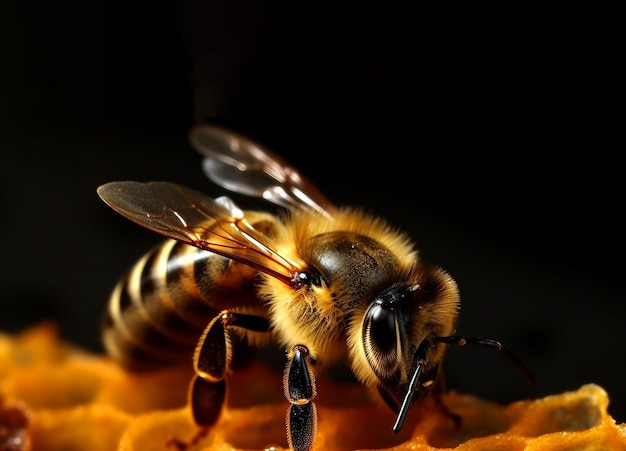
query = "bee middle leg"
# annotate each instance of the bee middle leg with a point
(299, 383)
(212, 358)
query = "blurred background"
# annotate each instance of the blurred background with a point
(488, 131)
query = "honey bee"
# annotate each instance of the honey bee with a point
(327, 283)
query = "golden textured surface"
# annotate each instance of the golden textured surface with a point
(56, 397)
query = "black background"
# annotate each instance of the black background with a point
(487, 130)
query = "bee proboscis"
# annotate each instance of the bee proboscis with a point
(327, 283)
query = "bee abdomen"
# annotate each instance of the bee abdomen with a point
(158, 310)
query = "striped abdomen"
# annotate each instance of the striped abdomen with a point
(158, 311)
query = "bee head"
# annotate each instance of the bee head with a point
(397, 333)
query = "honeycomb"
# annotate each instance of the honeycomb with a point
(54, 396)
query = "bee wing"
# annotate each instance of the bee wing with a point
(215, 225)
(243, 166)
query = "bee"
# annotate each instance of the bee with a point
(326, 283)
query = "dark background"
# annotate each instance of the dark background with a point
(487, 130)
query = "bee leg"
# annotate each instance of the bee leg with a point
(438, 392)
(299, 383)
(445, 411)
(212, 358)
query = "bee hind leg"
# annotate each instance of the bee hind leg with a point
(299, 385)
(212, 358)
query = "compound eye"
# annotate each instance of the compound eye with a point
(380, 339)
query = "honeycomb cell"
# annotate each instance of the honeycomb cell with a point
(55, 396)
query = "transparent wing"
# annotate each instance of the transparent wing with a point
(243, 166)
(215, 225)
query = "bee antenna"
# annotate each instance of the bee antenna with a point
(457, 340)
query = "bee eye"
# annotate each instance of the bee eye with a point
(382, 328)
(380, 338)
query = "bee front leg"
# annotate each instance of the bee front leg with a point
(299, 385)
(211, 360)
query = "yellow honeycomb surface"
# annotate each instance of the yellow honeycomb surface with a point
(56, 397)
